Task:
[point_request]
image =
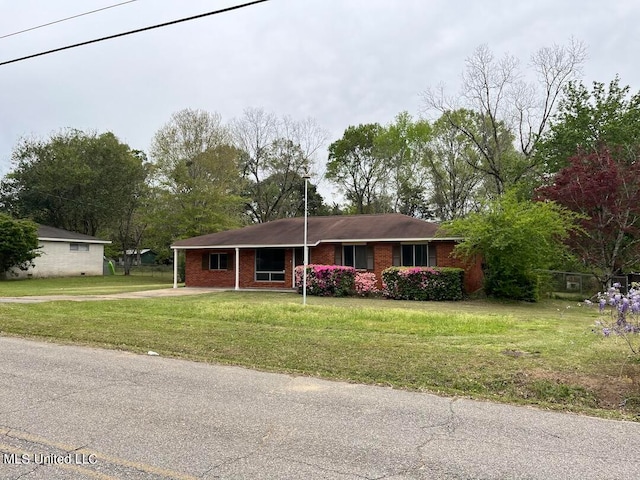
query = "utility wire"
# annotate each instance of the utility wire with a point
(65, 19)
(131, 32)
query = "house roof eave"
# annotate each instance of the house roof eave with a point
(393, 240)
(73, 240)
(211, 247)
(315, 244)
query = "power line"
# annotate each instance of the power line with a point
(65, 19)
(131, 32)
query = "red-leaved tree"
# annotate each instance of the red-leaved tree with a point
(606, 191)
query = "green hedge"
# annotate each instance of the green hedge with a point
(514, 286)
(423, 283)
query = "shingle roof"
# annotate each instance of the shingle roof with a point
(58, 234)
(290, 231)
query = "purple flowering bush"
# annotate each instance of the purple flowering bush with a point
(620, 314)
(423, 283)
(327, 280)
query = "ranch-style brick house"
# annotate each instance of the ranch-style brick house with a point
(265, 255)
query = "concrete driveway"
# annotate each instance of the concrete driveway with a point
(160, 292)
(108, 414)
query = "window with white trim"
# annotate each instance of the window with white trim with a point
(270, 264)
(218, 261)
(79, 247)
(358, 256)
(418, 255)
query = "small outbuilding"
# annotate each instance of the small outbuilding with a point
(65, 254)
(144, 256)
(265, 255)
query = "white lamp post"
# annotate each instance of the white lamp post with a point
(305, 249)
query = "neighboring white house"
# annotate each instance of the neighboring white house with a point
(64, 254)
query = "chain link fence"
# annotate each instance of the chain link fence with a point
(160, 271)
(584, 284)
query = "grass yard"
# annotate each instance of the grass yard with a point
(542, 354)
(82, 285)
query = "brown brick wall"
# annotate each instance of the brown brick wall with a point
(248, 265)
(472, 273)
(324, 254)
(382, 259)
(195, 276)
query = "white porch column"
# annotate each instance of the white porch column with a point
(237, 268)
(175, 268)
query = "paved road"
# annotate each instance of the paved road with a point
(112, 415)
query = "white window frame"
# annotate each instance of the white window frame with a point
(413, 245)
(211, 255)
(366, 255)
(79, 247)
(272, 275)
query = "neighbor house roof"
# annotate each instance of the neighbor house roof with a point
(135, 252)
(289, 232)
(53, 234)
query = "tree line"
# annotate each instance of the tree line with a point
(200, 176)
(517, 138)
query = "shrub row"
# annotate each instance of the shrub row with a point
(327, 280)
(399, 283)
(331, 280)
(423, 283)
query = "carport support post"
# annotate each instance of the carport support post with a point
(175, 268)
(237, 268)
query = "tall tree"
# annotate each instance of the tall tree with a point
(73, 180)
(455, 182)
(198, 177)
(273, 187)
(357, 167)
(276, 154)
(403, 146)
(283, 195)
(18, 244)
(588, 121)
(604, 187)
(131, 222)
(510, 112)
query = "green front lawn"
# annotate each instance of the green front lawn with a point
(82, 285)
(543, 354)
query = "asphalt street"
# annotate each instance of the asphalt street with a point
(71, 412)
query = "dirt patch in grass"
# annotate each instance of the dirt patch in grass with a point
(519, 353)
(607, 391)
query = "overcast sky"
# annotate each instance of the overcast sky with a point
(342, 62)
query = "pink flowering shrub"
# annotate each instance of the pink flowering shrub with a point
(327, 280)
(423, 283)
(366, 284)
